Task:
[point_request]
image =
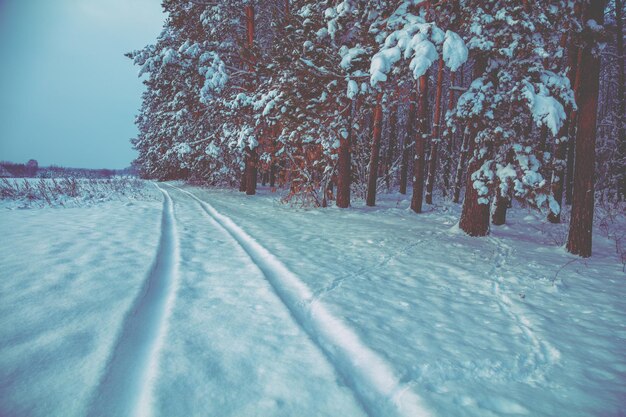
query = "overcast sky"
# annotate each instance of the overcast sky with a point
(68, 96)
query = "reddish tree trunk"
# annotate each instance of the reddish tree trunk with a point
(571, 154)
(571, 142)
(498, 217)
(375, 153)
(581, 223)
(434, 147)
(250, 25)
(251, 171)
(420, 139)
(558, 175)
(391, 146)
(242, 181)
(251, 154)
(344, 174)
(273, 175)
(621, 101)
(447, 165)
(475, 216)
(458, 179)
(410, 135)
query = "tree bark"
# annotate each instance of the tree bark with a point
(571, 154)
(498, 218)
(581, 222)
(391, 145)
(447, 164)
(434, 147)
(571, 141)
(273, 175)
(243, 183)
(375, 153)
(344, 174)
(621, 101)
(251, 171)
(458, 179)
(420, 139)
(410, 135)
(251, 154)
(558, 175)
(475, 216)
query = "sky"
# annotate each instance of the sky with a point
(68, 95)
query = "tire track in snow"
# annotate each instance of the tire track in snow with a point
(371, 378)
(126, 387)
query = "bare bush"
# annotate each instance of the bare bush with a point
(60, 191)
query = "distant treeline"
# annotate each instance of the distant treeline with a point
(31, 169)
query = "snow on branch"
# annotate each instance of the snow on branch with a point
(418, 42)
(545, 109)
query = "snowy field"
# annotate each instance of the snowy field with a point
(191, 302)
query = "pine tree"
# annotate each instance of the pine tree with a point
(515, 85)
(581, 223)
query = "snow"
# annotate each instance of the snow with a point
(126, 386)
(349, 55)
(69, 277)
(213, 69)
(353, 89)
(472, 101)
(455, 52)
(545, 109)
(213, 150)
(381, 64)
(214, 303)
(424, 55)
(368, 374)
(416, 42)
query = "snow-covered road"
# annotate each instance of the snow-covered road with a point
(209, 335)
(215, 304)
(371, 379)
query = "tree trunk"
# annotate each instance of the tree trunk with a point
(447, 163)
(571, 154)
(344, 174)
(581, 223)
(475, 216)
(621, 101)
(251, 171)
(375, 153)
(273, 175)
(420, 139)
(458, 179)
(410, 135)
(250, 24)
(558, 175)
(243, 182)
(391, 146)
(251, 154)
(434, 147)
(498, 218)
(571, 141)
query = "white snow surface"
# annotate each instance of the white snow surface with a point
(213, 303)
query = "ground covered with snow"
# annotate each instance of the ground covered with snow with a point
(193, 302)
